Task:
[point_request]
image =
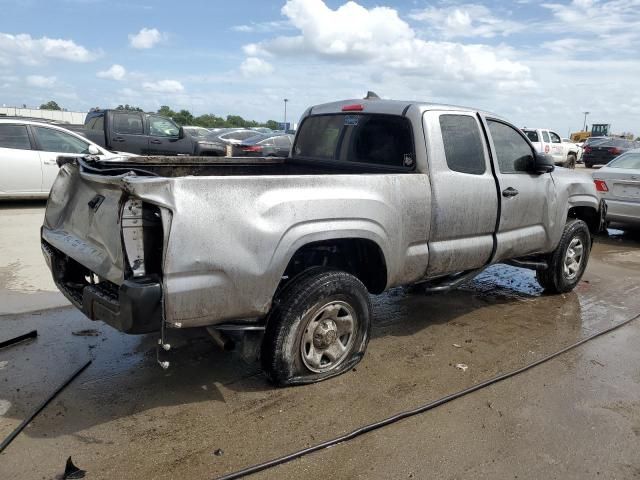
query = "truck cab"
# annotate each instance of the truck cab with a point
(549, 142)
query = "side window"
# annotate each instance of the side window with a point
(51, 140)
(98, 124)
(555, 138)
(462, 144)
(128, 123)
(162, 127)
(532, 134)
(545, 136)
(512, 151)
(14, 136)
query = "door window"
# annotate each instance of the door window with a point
(51, 140)
(545, 136)
(462, 144)
(512, 151)
(532, 134)
(14, 136)
(128, 123)
(555, 138)
(162, 127)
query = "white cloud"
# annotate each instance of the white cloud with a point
(163, 86)
(381, 40)
(25, 49)
(255, 66)
(115, 72)
(146, 38)
(262, 27)
(466, 20)
(40, 81)
(596, 26)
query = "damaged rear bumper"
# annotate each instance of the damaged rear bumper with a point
(133, 307)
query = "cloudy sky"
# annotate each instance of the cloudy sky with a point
(538, 64)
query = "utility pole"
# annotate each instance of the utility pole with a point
(285, 114)
(585, 121)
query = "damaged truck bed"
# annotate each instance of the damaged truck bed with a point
(375, 194)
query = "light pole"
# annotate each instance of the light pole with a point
(285, 114)
(585, 120)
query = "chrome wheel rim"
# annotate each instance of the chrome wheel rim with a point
(573, 259)
(328, 336)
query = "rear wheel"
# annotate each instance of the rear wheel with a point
(566, 264)
(318, 329)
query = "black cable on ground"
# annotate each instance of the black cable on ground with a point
(409, 413)
(19, 338)
(5, 443)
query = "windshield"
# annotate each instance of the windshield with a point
(595, 140)
(375, 139)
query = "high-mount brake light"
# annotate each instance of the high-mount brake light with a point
(601, 186)
(356, 107)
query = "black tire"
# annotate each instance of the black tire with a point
(571, 160)
(555, 279)
(588, 165)
(299, 307)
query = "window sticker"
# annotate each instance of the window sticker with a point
(351, 119)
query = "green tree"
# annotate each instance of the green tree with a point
(50, 105)
(129, 107)
(183, 117)
(166, 111)
(272, 124)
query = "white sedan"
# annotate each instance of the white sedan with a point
(28, 152)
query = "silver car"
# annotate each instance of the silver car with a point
(618, 183)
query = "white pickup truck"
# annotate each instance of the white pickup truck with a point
(375, 194)
(549, 142)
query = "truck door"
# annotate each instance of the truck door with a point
(127, 133)
(164, 138)
(464, 198)
(527, 200)
(557, 148)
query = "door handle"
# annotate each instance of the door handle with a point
(510, 192)
(118, 139)
(156, 142)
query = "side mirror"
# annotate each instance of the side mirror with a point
(181, 133)
(543, 163)
(93, 150)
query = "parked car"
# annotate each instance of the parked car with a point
(375, 194)
(233, 136)
(28, 152)
(604, 149)
(264, 146)
(146, 134)
(197, 132)
(549, 142)
(618, 183)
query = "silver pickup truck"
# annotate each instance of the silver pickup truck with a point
(375, 194)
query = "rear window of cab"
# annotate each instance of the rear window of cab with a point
(371, 139)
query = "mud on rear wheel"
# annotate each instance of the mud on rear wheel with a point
(567, 262)
(318, 328)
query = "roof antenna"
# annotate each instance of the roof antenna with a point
(371, 96)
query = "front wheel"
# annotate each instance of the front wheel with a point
(566, 264)
(571, 160)
(318, 328)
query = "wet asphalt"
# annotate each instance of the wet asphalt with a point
(212, 412)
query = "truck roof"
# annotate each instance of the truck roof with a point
(391, 107)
